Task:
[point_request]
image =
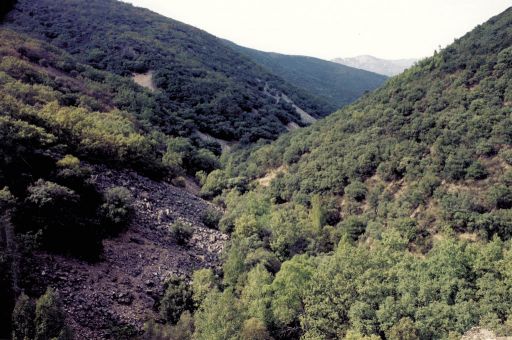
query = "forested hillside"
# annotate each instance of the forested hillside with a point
(57, 118)
(102, 107)
(337, 84)
(391, 218)
(208, 85)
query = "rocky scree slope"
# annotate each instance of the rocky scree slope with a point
(121, 290)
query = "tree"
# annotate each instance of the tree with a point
(476, 171)
(176, 300)
(50, 318)
(356, 191)
(117, 208)
(255, 296)
(184, 328)
(203, 281)
(23, 317)
(406, 226)
(234, 265)
(290, 228)
(219, 317)
(500, 196)
(456, 164)
(317, 213)
(353, 227)
(354, 335)
(289, 291)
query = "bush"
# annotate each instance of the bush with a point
(500, 196)
(117, 208)
(201, 177)
(181, 232)
(206, 160)
(177, 299)
(7, 200)
(179, 152)
(71, 173)
(179, 181)
(50, 319)
(353, 227)
(476, 171)
(23, 318)
(54, 210)
(356, 191)
(214, 183)
(123, 332)
(506, 155)
(68, 161)
(211, 218)
(49, 196)
(406, 226)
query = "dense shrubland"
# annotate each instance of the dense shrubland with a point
(392, 218)
(206, 84)
(388, 219)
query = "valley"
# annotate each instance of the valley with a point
(159, 182)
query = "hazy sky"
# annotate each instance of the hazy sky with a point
(334, 28)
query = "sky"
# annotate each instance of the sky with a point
(328, 29)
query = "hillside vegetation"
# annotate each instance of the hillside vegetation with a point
(57, 117)
(390, 218)
(337, 84)
(99, 101)
(207, 84)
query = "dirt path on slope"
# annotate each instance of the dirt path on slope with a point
(145, 80)
(224, 144)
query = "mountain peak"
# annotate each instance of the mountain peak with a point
(388, 67)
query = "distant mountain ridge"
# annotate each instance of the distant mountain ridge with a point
(388, 67)
(332, 82)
